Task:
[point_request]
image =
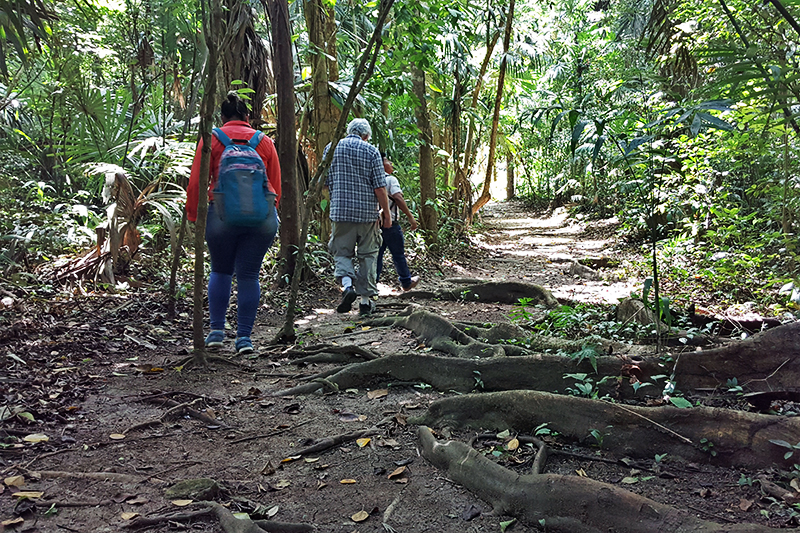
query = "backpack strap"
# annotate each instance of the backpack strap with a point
(256, 139)
(221, 137)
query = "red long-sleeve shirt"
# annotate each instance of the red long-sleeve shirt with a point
(235, 129)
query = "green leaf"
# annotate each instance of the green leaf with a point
(681, 403)
(507, 524)
(27, 416)
(782, 443)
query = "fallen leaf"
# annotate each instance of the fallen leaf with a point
(129, 516)
(400, 419)
(360, 516)
(273, 511)
(630, 480)
(744, 504)
(504, 434)
(181, 503)
(512, 445)
(311, 459)
(282, 484)
(365, 328)
(397, 472)
(363, 442)
(380, 393)
(362, 418)
(582, 473)
(14, 481)
(290, 459)
(28, 494)
(388, 443)
(268, 469)
(348, 417)
(321, 485)
(36, 437)
(241, 516)
(139, 500)
(347, 481)
(27, 416)
(795, 484)
(401, 480)
(12, 521)
(116, 436)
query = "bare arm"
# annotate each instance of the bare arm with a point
(401, 203)
(383, 202)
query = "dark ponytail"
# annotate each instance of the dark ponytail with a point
(234, 108)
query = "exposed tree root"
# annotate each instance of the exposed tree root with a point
(568, 504)
(350, 349)
(440, 334)
(228, 522)
(767, 361)
(776, 365)
(506, 292)
(737, 438)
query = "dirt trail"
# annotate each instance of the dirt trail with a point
(89, 365)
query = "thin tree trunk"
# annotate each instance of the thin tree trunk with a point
(212, 18)
(287, 140)
(371, 52)
(485, 194)
(510, 193)
(427, 179)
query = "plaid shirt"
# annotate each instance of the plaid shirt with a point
(356, 171)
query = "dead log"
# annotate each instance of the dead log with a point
(564, 504)
(504, 292)
(732, 438)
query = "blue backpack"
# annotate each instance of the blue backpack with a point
(240, 195)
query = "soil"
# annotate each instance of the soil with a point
(84, 371)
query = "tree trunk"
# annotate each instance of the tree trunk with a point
(485, 196)
(287, 140)
(321, 24)
(212, 22)
(245, 57)
(427, 179)
(510, 193)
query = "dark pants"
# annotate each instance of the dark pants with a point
(393, 240)
(239, 250)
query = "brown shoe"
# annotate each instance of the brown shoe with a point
(414, 283)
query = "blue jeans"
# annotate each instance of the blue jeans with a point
(239, 250)
(393, 239)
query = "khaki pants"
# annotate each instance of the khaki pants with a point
(360, 240)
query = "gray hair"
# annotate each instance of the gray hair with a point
(360, 127)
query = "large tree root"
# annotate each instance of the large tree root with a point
(777, 366)
(568, 504)
(737, 438)
(462, 375)
(764, 362)
(470, 340)
(505, 292)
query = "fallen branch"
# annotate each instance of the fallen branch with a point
(267, 435)
(97, 476)
(147, 521)
(330, 442)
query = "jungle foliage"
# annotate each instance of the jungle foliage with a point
(676, 116)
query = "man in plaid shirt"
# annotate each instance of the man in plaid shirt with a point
(357, 187)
